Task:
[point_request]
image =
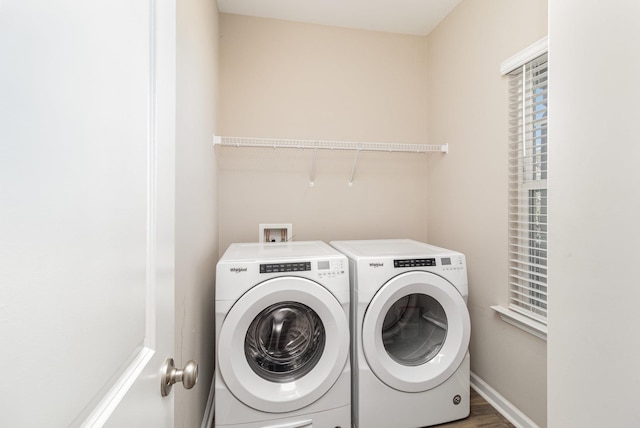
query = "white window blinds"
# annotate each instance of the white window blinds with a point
(528, 188)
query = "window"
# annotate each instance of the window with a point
(527, 199)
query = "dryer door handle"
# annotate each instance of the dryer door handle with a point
(307, 423)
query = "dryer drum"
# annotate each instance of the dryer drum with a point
(414, 329)
(284, 342)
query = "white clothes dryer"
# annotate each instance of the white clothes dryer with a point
(282, 337)
(410, 333)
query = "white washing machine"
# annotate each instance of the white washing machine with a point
(282, 337)
(410, 333)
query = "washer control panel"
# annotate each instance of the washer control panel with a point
(331, 268)
(285, 267)
(324, 268)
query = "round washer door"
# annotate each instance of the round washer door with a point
(283, 344)
(416, 331)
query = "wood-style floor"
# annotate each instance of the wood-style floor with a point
(483, 415)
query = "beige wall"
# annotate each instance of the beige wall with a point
(196, 201)
(289, 80)
(467, 109)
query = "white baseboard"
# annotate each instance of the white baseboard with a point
(209, 411)
(501, 404)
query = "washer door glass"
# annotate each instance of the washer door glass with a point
(284, 342)
(414, 329)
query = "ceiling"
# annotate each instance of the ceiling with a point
(416, 17)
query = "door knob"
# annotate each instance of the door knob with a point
(170, 375)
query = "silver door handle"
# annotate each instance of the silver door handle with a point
(170, 375)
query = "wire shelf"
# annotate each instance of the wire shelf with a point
(327, 145)
(276, 143)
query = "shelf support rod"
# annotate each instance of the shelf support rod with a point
(313, 168)
(353, 168)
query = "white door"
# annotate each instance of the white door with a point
(86, 211)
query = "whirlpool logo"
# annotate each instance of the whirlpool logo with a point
(237, 269)
(376, 265)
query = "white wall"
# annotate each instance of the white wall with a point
(196, 200)
(467, 189)
(594, 200)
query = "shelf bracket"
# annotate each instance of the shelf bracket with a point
(353, 168)
(313, 168)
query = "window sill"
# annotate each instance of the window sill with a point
(522, 322)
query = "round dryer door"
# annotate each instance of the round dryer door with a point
(283, 344)
(416, 331)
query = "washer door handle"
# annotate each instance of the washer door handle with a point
(171, 375)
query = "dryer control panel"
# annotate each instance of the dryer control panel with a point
(455, 263)
(413, 263)
(447, 263)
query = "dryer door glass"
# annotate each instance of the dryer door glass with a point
(284, 342)
(414, 329)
